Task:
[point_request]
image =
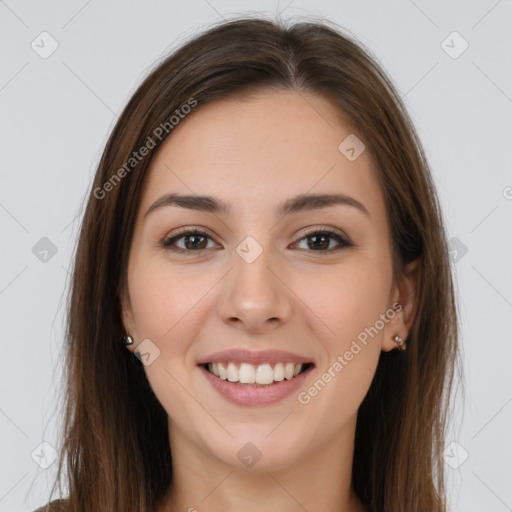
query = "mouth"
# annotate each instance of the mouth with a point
(265, 380)
(256, 376)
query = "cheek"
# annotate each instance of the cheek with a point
(346, 300)
(344, 306)
(166, 304)
(165, 298)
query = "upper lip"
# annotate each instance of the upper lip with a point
(255, 358)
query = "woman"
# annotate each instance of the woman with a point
(262, 312)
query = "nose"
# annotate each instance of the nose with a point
(255, 297)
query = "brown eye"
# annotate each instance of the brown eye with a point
(193, 240)
(320, 241)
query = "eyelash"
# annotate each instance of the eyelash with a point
(167, 242)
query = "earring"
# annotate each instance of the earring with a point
(128, 340)
(399, 342)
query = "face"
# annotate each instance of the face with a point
(267, 282)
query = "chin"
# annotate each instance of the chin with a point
(258, 451)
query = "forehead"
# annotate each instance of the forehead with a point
(255, 152)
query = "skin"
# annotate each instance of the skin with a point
(255, 153)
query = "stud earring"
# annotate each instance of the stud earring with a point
(400, 343)
(128, 340)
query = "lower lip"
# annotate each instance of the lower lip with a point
(248, 396)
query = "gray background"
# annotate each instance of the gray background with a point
(56, 113)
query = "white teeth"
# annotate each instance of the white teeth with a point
(222, 371)
(264, 374)
(288, 370)
(232, 372)
(247, 373)
(279, 372)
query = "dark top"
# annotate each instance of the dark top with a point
(53, 506)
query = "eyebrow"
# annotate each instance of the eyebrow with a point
(295, 204)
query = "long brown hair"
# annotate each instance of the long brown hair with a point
(115, 440)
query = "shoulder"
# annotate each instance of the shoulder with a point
(54, 506)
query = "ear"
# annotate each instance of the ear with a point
(127, 314)
(404, 293)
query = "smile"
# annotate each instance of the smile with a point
(256, 375)
(268, 378)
